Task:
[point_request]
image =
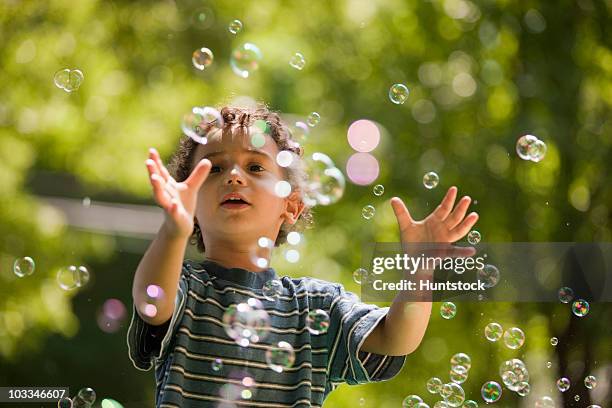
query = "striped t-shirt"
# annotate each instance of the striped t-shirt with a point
(198, 365)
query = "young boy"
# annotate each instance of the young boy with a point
(222, 193)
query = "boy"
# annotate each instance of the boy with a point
(223, 194)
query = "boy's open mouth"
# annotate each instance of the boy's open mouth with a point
(234, 201)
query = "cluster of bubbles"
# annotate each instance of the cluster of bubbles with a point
(452, 393)
(488, 275)
(515, 376)
(362, 167)
(235, 27)
(202, 58)
(448, 310)
(297, 61)
(72, 277)
(85, 398)
(529, 147)
(325, 184)
(24, 266)
(245, 59)
(398, 93)
(247, 322)
(580, 307)
(431, 180)
(473, 237)
(68, 79)
(111, 315)
(194, 123)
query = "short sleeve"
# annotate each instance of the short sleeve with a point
(148, 344)
(351, 321)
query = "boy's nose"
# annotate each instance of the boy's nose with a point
(235, 177)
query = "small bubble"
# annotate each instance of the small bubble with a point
(313, 119)
(412, 401)
(359, 275)
(294, 238)
(434, 385)
(548, 364)
(470, 404)
(368, 212)
(580, 307)
(493, 331)
(284, 158)
(217, 364)
(576, 397)
(245, 60)
(272, 289)
(590, 382)
(202, 58)
(554, 341)
(398, 93)
(523, 144)
(431, 180)
(563, 384)
(489, 275)
(292, 255)
(473, 237)
(378, 190)
(282, 189)
(448, 310)
(64, 403)
(461, 360)
(361, 402)
(297, 61)
(545, 402)
(24, 266)
(280, 356)
(514, 338)
(523, 389)
(566, 294)
(491, 392)
(317, 321)
(235, 27)
(88, 395)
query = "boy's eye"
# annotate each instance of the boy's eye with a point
(256, 167)
(215, 169)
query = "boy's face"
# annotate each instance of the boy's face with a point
(242, 171)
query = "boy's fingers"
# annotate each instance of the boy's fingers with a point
(401, 213)
(158, 190)
(465, 226)
(446, 205)
(160, 166)
(151, 167)
(199, 174)
(458, 213)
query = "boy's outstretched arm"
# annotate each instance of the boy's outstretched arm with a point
(403, 328)
(162, 263)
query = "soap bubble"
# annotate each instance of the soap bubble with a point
(261, 252)
(378, 190)
(71, 277)
(491, 392)
(448, 310)
(563, 384)
(368, 212)
(235, 27)
(313, 119)
(363, 135)
(430, 180)
(78, 402)
(88, 395)
(453, 394)
(493, 331)
(523, 389)
(299, 131)
(537, 151)
(280, 356)
(398, 93)
(548, 364)
(523, 144)
(518, 370)
(284, 158)
(461, 360)
(217, 364)
(202, 58)
(297, 61)
(441, 404)
(458, 377)
(545, 402)
(245, 60)
(590, 382)
(282, 188)
(64, 403)
(566, 294)
(421, 405)
(361, 402)
(292, 255)
(489, 275)
(325, 184)
(68, 79)
(195, 122)
(317, 321)
(514, 338)
(111, 316)
(473, 237)
(294, 238)
(24, 266)
(470, 404)
(434, 385)
(554, 341)
(580, 307)
(362, 168)
(576, 397)
(272, 289)
(411, 401)
(247, 322)
(359, 275)
(510, 379)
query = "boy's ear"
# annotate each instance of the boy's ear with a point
(293, 207)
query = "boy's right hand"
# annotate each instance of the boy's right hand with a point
(177, 199)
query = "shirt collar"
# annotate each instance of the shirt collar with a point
(240, 276)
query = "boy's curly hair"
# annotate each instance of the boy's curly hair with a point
(181, 163)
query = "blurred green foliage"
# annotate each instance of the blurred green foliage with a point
(480, 74)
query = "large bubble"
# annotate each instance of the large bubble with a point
(245, 60)
(325, 184)
(247, 322)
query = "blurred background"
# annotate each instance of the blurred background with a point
(74, 188)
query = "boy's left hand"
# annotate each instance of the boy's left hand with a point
(443, 225)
